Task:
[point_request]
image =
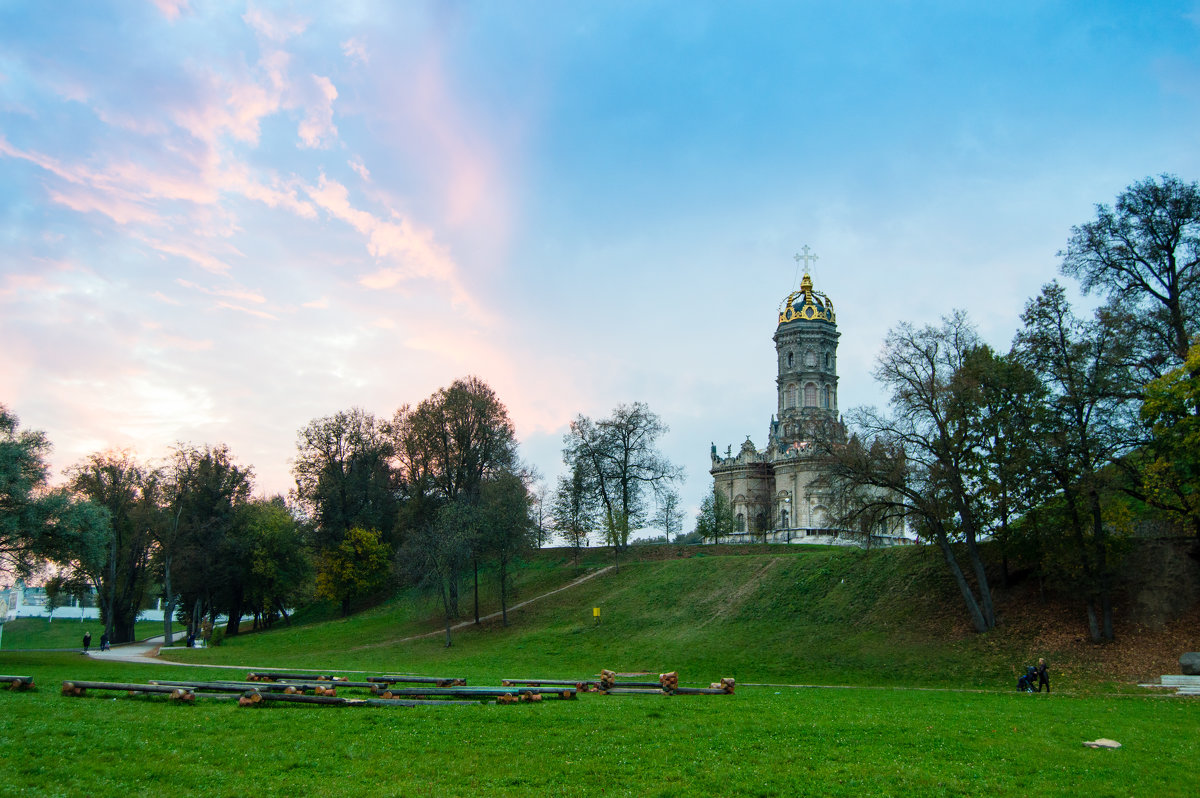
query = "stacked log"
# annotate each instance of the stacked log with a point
(18, 683)
(726, 685)
(437, 681)
(608, 679)
(174, 692)
(579, 685)
(669, 681)
(293, 677)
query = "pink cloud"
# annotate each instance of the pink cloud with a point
(171, 9)
(238, 293)
(355, 50)
(86, 201)
(276, 27)
(360, 168)
(413, 251)
(204, 260)
(317, 128)
(262, 314)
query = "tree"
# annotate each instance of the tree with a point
(117, 482)
(1144, 255)
(920, 461)
(37, 523)
(506, 528)
(344, 477)
(446, 447)
(668, 515)
(1004, 400)
(355, 569)
(573, 510)
(441, 551)
(1171, 459)
(715, 519)
(280, 568)
(1087, 428)
(212, 561)
(620, 461)
(539, 509)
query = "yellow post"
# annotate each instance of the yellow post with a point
(596, 614)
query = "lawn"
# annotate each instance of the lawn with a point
(62, 633)
(761, 741)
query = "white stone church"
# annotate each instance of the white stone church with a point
(779, 493)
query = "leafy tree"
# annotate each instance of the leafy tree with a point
(344, 477)
(573, 510)
(620, 461)
(355, 569)
(212, 561)
(1171, 459)
(1144, 255)
(117, 482)
(37, 523)
(715, 519)
(1086, 429)
(280, 567)
(1004, 400)
(446, 447)
(506, 528)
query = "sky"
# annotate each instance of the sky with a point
(221, 220)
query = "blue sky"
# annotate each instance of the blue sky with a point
(221, 220)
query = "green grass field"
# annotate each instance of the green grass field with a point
(874, 625)
(60, 633)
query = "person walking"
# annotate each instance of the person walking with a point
(87, 641)
(1043, 676)
(104, 642)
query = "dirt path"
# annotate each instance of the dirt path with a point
(146, 652)
(482, 618)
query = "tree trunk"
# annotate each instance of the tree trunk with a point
(503, 589)
(968, 597)
(985, 591)
(475, 561)
(446, 607)
(235, 614)
(169, 615)
(1093, 627)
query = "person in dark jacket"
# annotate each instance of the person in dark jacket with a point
(87, 641)
(1043, 676)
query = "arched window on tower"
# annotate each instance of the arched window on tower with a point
(810, 395)
(827, 361)
(741, 522)
(789, 359)
(825, 398)
(791, 397)
(810, 359)
(783, 519)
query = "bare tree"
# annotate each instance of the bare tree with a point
(619, 459)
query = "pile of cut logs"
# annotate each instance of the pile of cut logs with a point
(668, 684)
(18, 683)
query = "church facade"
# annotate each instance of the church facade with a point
(779, 493)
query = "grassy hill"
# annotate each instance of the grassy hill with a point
(757, 613)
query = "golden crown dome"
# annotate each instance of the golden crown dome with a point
(806, 305)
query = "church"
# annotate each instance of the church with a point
(779, 493)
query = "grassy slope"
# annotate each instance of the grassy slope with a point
(62, 633)
(800, 615)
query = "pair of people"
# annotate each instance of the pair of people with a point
(87, 641)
